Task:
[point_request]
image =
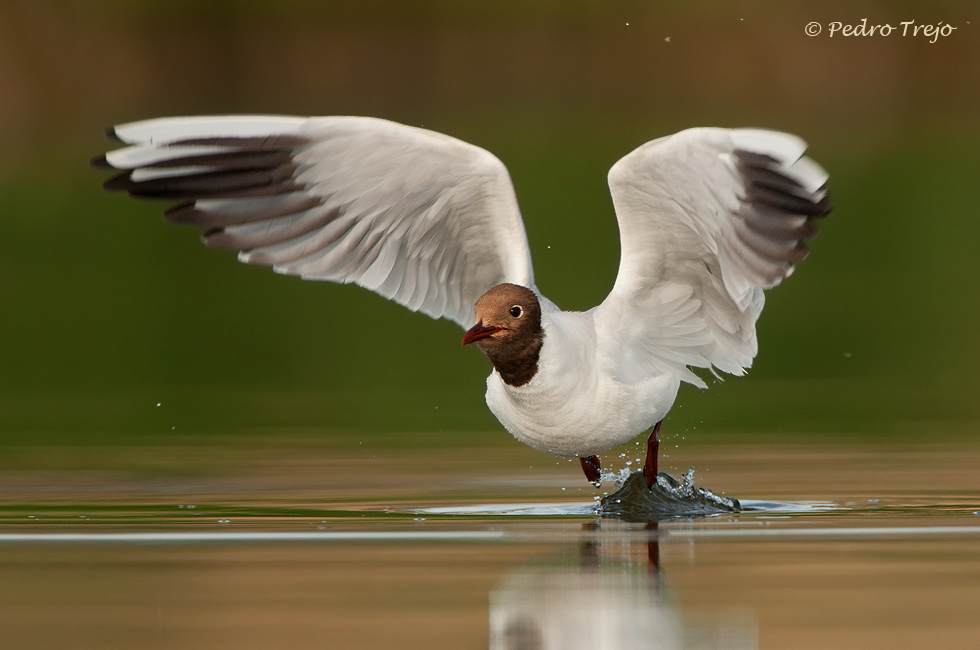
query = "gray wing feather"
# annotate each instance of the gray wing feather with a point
(421, 218)
(708, 219)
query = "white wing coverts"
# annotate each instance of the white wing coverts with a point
(419, 217)
(708, 218)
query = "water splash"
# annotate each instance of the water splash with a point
(668, 498)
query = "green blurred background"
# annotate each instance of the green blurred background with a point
(108, 311)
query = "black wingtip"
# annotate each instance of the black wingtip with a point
(824, 206)
(100, 162)
(119, 182)
(182, 212)
(110, 133)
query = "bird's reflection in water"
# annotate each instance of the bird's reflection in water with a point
(605, 595)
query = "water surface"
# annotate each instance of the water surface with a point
(856, 548)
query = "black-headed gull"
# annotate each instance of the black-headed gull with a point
(708, 219)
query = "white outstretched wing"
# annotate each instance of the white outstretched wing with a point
(708, 218)
(426, 220)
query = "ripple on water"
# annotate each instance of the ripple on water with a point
(666, 499)
(633, 501)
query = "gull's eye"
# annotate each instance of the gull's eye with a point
(516, 311)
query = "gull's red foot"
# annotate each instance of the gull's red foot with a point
(653, 453)
(592, 469)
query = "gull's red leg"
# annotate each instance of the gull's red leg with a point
(653, 454)
(592, 469)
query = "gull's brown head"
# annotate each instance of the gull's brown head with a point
(508, 330)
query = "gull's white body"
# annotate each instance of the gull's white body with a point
(708, 218)
(576, 405)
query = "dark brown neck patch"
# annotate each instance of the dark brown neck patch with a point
(516, 361)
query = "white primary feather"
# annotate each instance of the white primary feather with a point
(168, 130)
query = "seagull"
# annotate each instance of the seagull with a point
(709, 218)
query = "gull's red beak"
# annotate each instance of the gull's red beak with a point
(479, 331)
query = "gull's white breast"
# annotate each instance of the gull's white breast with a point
(575, 405)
